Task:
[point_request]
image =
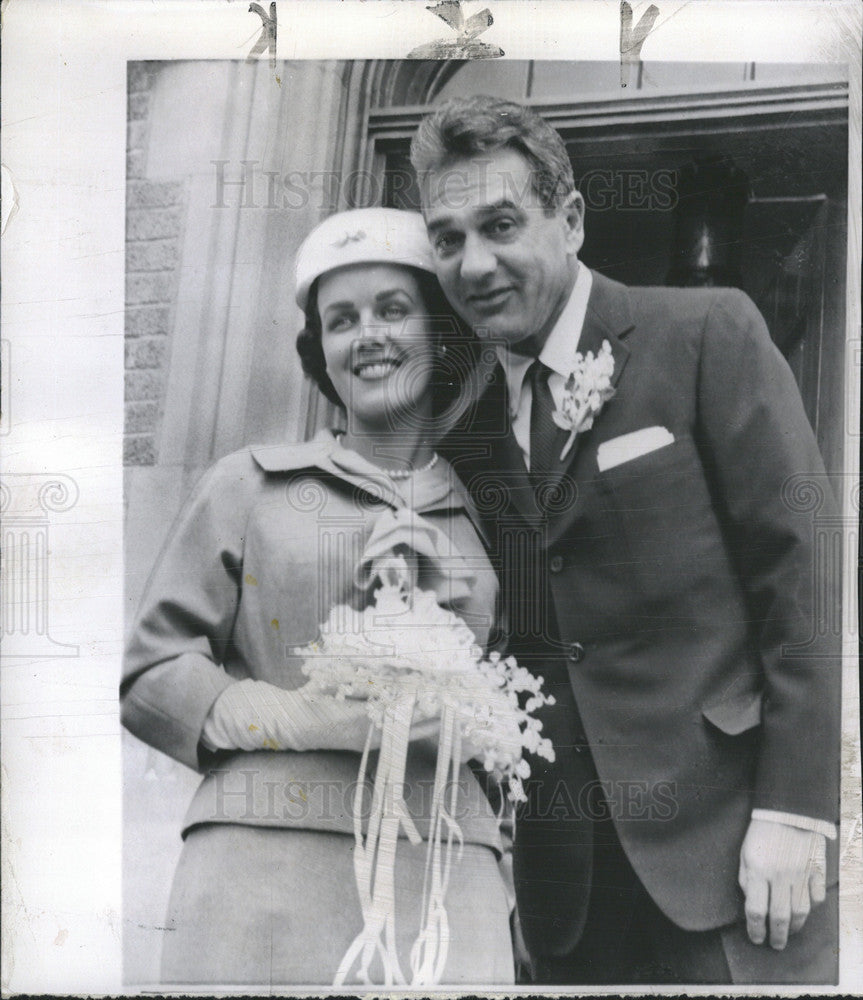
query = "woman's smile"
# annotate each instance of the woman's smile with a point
(372, 366)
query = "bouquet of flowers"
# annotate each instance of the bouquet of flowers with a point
(409, 659)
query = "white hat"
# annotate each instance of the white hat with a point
(362, 236)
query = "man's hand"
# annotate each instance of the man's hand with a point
(782, 875)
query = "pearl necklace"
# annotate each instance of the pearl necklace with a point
(404, 473)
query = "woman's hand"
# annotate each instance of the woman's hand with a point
(255, 715)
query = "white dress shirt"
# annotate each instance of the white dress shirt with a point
(558, 354)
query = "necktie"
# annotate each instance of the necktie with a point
(545, 435)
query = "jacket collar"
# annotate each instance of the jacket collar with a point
(293, 457)
(609, 317)
(323, 453)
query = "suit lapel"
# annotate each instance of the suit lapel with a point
(493, 422)
(608, 317)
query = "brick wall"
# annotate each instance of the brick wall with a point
(154, 221)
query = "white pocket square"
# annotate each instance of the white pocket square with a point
(629, 446)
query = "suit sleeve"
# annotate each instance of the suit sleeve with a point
(172, 669)
(755, 438)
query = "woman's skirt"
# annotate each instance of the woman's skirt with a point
(280, 906)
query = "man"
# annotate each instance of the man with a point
(657, 576)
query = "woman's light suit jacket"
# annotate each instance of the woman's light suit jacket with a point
(266, 546)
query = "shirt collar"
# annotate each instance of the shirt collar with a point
(562, 343)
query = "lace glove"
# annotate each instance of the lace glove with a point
(255, 715)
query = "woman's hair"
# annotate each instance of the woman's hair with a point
(459, 341)
(467, 127)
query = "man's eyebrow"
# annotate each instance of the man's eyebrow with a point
(483, 211)
(437, 224)
(502, 205)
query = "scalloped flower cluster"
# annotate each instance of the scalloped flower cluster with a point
(586, 391)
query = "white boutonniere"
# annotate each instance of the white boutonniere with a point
(588, 388)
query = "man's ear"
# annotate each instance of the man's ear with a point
(573, 214)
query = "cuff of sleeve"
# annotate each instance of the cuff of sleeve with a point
(205, 742)
(821, 826)
(167, 705)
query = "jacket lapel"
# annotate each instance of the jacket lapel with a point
(499, 462)
(608, 317)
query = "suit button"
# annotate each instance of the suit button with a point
(576, 652)
(556, 564)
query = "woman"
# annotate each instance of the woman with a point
(273, 538)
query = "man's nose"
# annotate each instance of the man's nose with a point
(477, 260)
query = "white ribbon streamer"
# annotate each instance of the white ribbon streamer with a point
(374, 856)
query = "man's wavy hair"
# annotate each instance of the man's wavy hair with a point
(468, 127)
(447, 382)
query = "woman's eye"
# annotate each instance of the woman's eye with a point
(393, 310)
(338, 323)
